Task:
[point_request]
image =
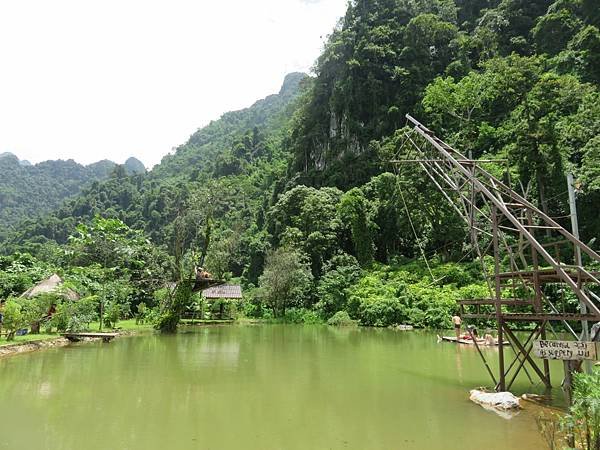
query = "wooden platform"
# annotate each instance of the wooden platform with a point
(77, 337)
(481, 342)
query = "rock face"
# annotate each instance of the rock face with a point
(134, 165)
(500, 401)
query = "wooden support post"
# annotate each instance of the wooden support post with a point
(585, 335)
(537, 304)
(522, 362)
(498, 297)
(568, 383)
(527, 356)
(517, 359)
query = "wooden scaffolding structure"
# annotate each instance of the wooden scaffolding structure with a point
(543, 256)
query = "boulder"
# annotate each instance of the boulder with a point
(499, 401)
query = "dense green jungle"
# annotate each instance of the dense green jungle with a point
(294, 197)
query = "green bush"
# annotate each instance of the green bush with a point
(382, 312)
(302, 315)
(341, 273)
(75, 316)
(142, 310)
(14, 319)
(112, 313)
(311, 317)
(341, 319)
(35, 309)
(583, 420)
(406, 294)
(286, 282)
(173, 305)
(84, 312)
(580, 427)
(378, 302)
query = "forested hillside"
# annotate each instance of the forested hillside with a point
(225, 171)
(299, 183)
(28, 191)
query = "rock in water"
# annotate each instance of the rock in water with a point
(498, 401)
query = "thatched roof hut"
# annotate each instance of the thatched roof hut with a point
(52, 285)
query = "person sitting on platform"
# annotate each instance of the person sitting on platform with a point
(203, 279)
(472, 333)
(202, 274)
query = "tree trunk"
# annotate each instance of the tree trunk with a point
(543, 200)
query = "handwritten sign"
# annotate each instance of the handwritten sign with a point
(566, 350)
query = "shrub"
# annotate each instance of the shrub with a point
(302, 315)
(580, 427)
(341, 319)
(432, 306)
(14, 319)
(112, 314)
(379, 303)
(382, 311)
(173, 306)
(35, 309)
(311, 317)
(341, 273)
(140, 317)
(75, 316)
(253, 307)
(583, 420)
(286, 282)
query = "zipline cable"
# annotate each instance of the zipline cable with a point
(412, 226)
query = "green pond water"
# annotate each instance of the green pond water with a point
(255, 387)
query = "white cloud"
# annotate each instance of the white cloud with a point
(114, 78)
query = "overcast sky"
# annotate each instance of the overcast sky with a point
(90, 80)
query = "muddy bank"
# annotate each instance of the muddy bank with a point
(59, 341)
(32, 346)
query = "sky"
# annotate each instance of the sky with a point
(110, 79)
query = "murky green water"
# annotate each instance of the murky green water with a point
(254, 387)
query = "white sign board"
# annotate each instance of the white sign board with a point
(566, 350)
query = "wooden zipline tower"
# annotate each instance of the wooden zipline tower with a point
(544, 258)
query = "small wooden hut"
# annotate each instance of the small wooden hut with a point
(223, 300)
(51, 285)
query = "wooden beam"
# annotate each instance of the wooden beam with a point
(536, 317)
(504, 301)
(527, 356)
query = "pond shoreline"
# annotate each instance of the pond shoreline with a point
(31, 346)
(19, 348)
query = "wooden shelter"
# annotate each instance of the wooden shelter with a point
(51, 285)
(227, 291)
(223, 297)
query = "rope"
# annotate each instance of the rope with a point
(412, 226)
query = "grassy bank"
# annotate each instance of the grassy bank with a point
(128, 326)
(123, 325)
(27, 338)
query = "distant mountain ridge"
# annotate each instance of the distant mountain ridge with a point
(30, 190)
(22, 162)
(239, 144)
(132, 164)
